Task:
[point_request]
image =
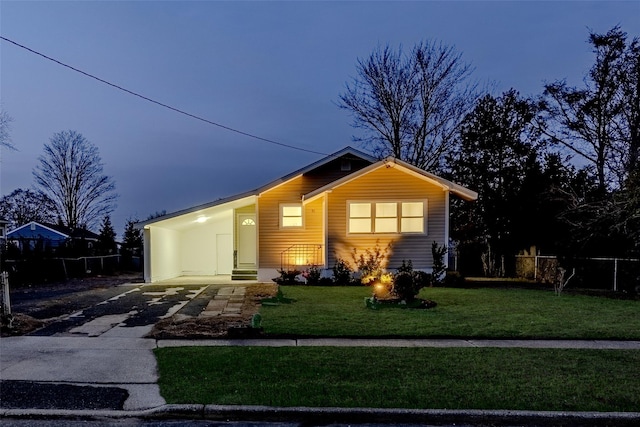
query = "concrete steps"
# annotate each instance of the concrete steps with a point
(238, 274)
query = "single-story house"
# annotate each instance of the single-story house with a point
(45, 236)
(312, 216)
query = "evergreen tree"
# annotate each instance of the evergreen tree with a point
(131, 244)
(132, 238)
(107, 238)
(497, 157)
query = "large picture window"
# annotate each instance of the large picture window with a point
(291, 215)
(386, 217)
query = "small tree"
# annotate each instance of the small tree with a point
(439, 267)
(107, 238)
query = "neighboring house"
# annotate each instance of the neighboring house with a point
(44, 236)
(310, 217)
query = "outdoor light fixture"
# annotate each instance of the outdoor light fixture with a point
(201, 219)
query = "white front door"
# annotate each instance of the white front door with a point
(247, 240)
(224, 253)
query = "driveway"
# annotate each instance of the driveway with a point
(93, 354)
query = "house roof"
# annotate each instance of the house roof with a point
(347, 151)
(63, 231)
(246, 197)
(454, 188)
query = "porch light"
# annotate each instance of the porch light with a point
(201, 219)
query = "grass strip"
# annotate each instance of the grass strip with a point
(453, 378)
(477, 313)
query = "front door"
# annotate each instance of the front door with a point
(247, 240)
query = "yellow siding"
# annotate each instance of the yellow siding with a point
(272, 239)
(387, 184)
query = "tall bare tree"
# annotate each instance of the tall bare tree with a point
(410, 105)
(70, 172)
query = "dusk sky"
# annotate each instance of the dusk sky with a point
(272, 69)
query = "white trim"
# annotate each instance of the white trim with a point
(446, 228)
(325, 226)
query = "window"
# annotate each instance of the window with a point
(248, 221)
(386, 217)
(291, 215)
(412, 220)
(360, 218)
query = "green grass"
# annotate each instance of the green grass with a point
(474, 378)
(477, 313)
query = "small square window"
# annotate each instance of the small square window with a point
(291, 215)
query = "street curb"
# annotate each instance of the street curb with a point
(341, 415)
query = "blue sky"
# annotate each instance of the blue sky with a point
(273, 69)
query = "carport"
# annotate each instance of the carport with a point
(196, 242)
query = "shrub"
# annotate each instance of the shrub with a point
(287, 277)
(342, 272)
(404, 286)
(371, 262)
(438, 252)
(312, 275)
(408, 282)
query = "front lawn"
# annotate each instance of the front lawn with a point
(473, 313)
(453, 378)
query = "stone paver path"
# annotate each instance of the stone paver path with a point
(227, 302)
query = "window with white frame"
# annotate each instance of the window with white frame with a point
(386, 217)
(291, 215)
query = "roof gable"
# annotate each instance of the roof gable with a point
(447, 185)
(25, 230)
(60, 230)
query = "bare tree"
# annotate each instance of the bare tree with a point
(599, 122)
(5, 125)
(410, 106)
(70, 173)
(23, 206)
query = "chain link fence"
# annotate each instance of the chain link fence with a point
(617, 274)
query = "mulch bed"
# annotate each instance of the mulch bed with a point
(179, 326)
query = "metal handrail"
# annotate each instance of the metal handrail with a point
(298, 256)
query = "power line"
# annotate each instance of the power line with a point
(177, 110)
